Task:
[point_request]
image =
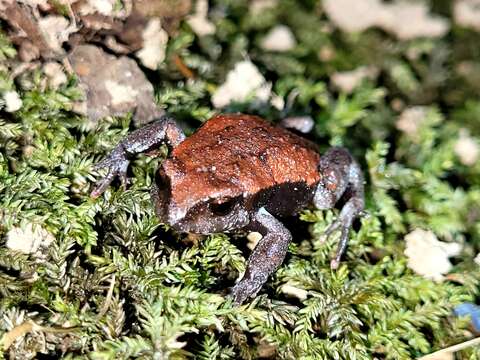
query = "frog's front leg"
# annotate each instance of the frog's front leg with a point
(340, 176)
(267, 256)
(164, 130)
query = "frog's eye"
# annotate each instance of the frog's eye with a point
(223, 207)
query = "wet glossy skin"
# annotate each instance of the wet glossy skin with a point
(238, 172)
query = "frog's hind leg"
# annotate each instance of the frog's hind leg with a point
(163, 130)
(267, 256)
(341, 177)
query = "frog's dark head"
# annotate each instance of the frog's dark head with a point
(192, 202)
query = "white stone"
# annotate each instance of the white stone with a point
(477, 259)
(427, 256)
(155, 41)
(199, 21)
(29, 239)
(243, 81)
(405, 19)
(259, 6)
(253, 239)
(120, 93)
(466, 148)
(104, 7)
(353, 16)
(467, 13)
(347, 81)
(409, 20)
(411, 119)
(12, 101)
(280, 39)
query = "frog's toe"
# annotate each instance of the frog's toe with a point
(244, 290)
(344, 227)
(117, 167)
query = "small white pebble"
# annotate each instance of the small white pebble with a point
(259, 6)
(304, 124)
(347, 81)
(29, 239)
(410, 120)
(405, 19)
(242, 81)
(280, 39)
(253, 239)
(427, 256)
(104, 7)
(199, 21)
(466, 148)
(12, 101)
(155, 41)
(467, 13)
(477, 259)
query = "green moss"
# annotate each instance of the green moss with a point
(125, 286)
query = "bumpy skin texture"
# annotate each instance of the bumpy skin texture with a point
(232, 157)
(239, 172)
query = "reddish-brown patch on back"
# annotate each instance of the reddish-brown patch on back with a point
(236, 154)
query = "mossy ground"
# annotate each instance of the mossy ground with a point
(116, 284)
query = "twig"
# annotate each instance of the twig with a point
(452, 349)
(108, 298)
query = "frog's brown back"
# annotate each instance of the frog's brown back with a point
(236, 154)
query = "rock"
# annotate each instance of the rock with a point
(406, 20)
(155, 41)
(253, 238)
(256, 7)
(199, 21)
(243, 81)
(347, 81)
(466, 148)
(466, 13)
(113, 86)
(303, 124)
(28, 239)
(279, 39)
(12, 101)
(427, 256)
(410, 120)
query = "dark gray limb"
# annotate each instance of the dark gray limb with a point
(267, 256)
(341, 176)
(164, 130)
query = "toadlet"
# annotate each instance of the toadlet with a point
(239, 172)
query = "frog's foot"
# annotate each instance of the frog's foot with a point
(117, 165)
(265, 258)
(247, 288)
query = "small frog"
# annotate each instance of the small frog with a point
(239, 172)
